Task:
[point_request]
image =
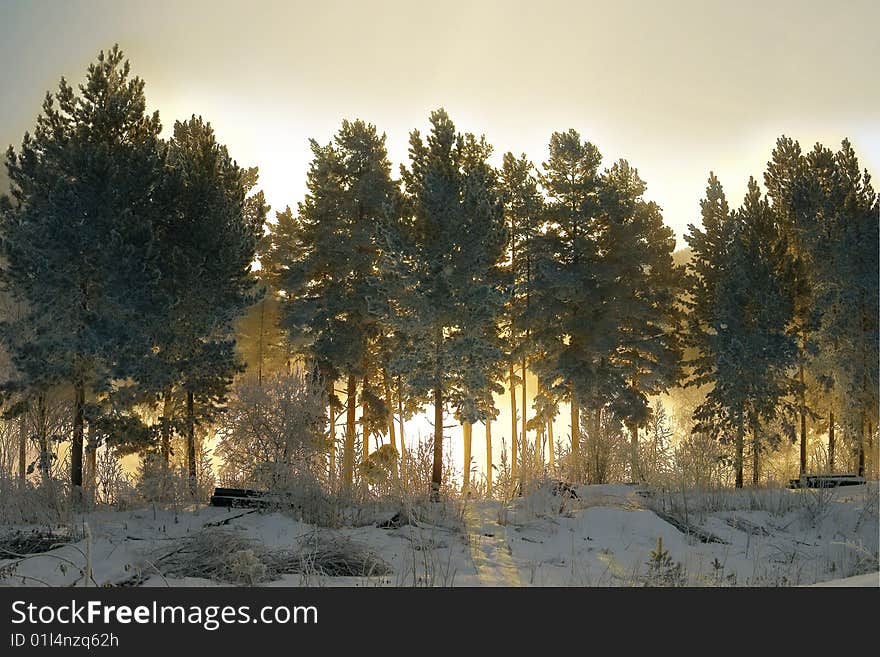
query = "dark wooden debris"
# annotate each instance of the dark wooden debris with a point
(826, 481)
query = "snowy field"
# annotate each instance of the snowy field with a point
(610, 535)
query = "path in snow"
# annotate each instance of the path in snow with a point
(488, 546)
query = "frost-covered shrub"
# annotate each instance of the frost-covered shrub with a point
(112, 484)
(169, 485)
(273, 432)
(45, 503)
(380, 467)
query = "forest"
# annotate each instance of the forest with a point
(164, 331)
(135, 317)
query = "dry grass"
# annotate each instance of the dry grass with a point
(223, 555)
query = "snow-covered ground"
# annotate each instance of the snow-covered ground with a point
(605, 537)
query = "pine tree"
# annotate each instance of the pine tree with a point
(797, 210)
(447, 285)
(523, 210)
(643, 285)
(741, 307)
(78, 234)
(325, 262)
(847, 287)
(206, 243)
(566, 319)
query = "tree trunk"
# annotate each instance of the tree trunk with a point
(513, 432)
(575, 429)
(595, 424)
(365, 434)
(861, 471)
(91, 466)
(76, 448)
(467, 432)
(43, 439)
(525, 414)
(331, 437)
(350, 431)
(831, 440)
(738, 462)
(191, 440)
(166, 427)
(803, 405)
(550, 446)
(634, 451)
(22, 448)
(488, 457)
(260, 343)
(400, 419)
(437, 470)
(756, 444)
(389, 404)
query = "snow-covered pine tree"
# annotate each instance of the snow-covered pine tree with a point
(447, 285)
(78, 237)
(565, 317)
(326, 258)
(797, 207)
(847, 284)
(643, 287)
(523, 212)
(741, 308)
(206, 242)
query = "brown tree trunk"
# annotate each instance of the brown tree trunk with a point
(575, 429)
(389, 404)
(260, 343)
(601, 470)
(513, 431)
(756, 471)
(738, 462)
(861, 471)
(22, 448)
(91, 465)
(191, 441)
(831, 440)
(43, 438)
(400, 419)
(331, 436)
(634, 451)
(467, 434)
(350, 432)
(871, 468)
(803, 405)
(166, 427)
(437, 470)
(76, 449)
(365, 434)
(550, 446)
(488, 456)
(525, 415)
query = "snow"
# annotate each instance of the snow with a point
(868, 579)
(604, 538)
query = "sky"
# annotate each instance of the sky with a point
(678, 88)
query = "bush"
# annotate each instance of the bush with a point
(274, 432)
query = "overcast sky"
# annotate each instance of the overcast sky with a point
(676, 88)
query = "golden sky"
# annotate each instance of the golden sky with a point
(677, 87)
